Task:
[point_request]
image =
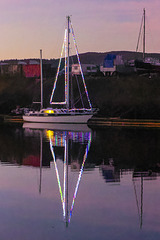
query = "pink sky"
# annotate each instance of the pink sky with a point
(100, 26)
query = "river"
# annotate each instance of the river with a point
(61, 183)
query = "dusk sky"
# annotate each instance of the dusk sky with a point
(99, 25)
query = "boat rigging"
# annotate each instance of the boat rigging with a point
(65, 112)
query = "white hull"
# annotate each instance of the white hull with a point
(82, 118)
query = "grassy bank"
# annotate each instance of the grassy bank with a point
(124, 97)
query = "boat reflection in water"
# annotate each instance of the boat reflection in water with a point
(63, 146)
(94, 180)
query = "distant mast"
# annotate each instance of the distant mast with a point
(144, 40)
(142, 33)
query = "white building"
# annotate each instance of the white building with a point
(108, 70)
(86, 68)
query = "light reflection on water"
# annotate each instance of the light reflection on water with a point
(110, 190)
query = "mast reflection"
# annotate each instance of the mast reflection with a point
(141, 175)
(65, 139)
(71, 145)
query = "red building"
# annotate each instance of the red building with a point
(31, 70)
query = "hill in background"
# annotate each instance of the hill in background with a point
(94, 57)
(97, 58)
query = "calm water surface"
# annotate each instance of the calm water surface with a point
(62, 184)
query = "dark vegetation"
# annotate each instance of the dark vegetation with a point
(125, 96)
(130, 96)
(15, 91)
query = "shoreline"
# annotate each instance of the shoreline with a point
(9, 118)
(100, 122)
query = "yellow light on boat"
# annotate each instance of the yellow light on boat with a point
(49, 111)
(49, 134)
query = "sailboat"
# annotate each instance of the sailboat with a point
(67, 112)
(145, 65)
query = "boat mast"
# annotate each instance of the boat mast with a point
(68, 43)
(144, 23)
(41, 78)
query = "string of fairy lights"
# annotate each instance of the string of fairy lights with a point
(58, 70)
(63, 194)
(80, 175)
(76, 48)
(64, 48)
(58, 178)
